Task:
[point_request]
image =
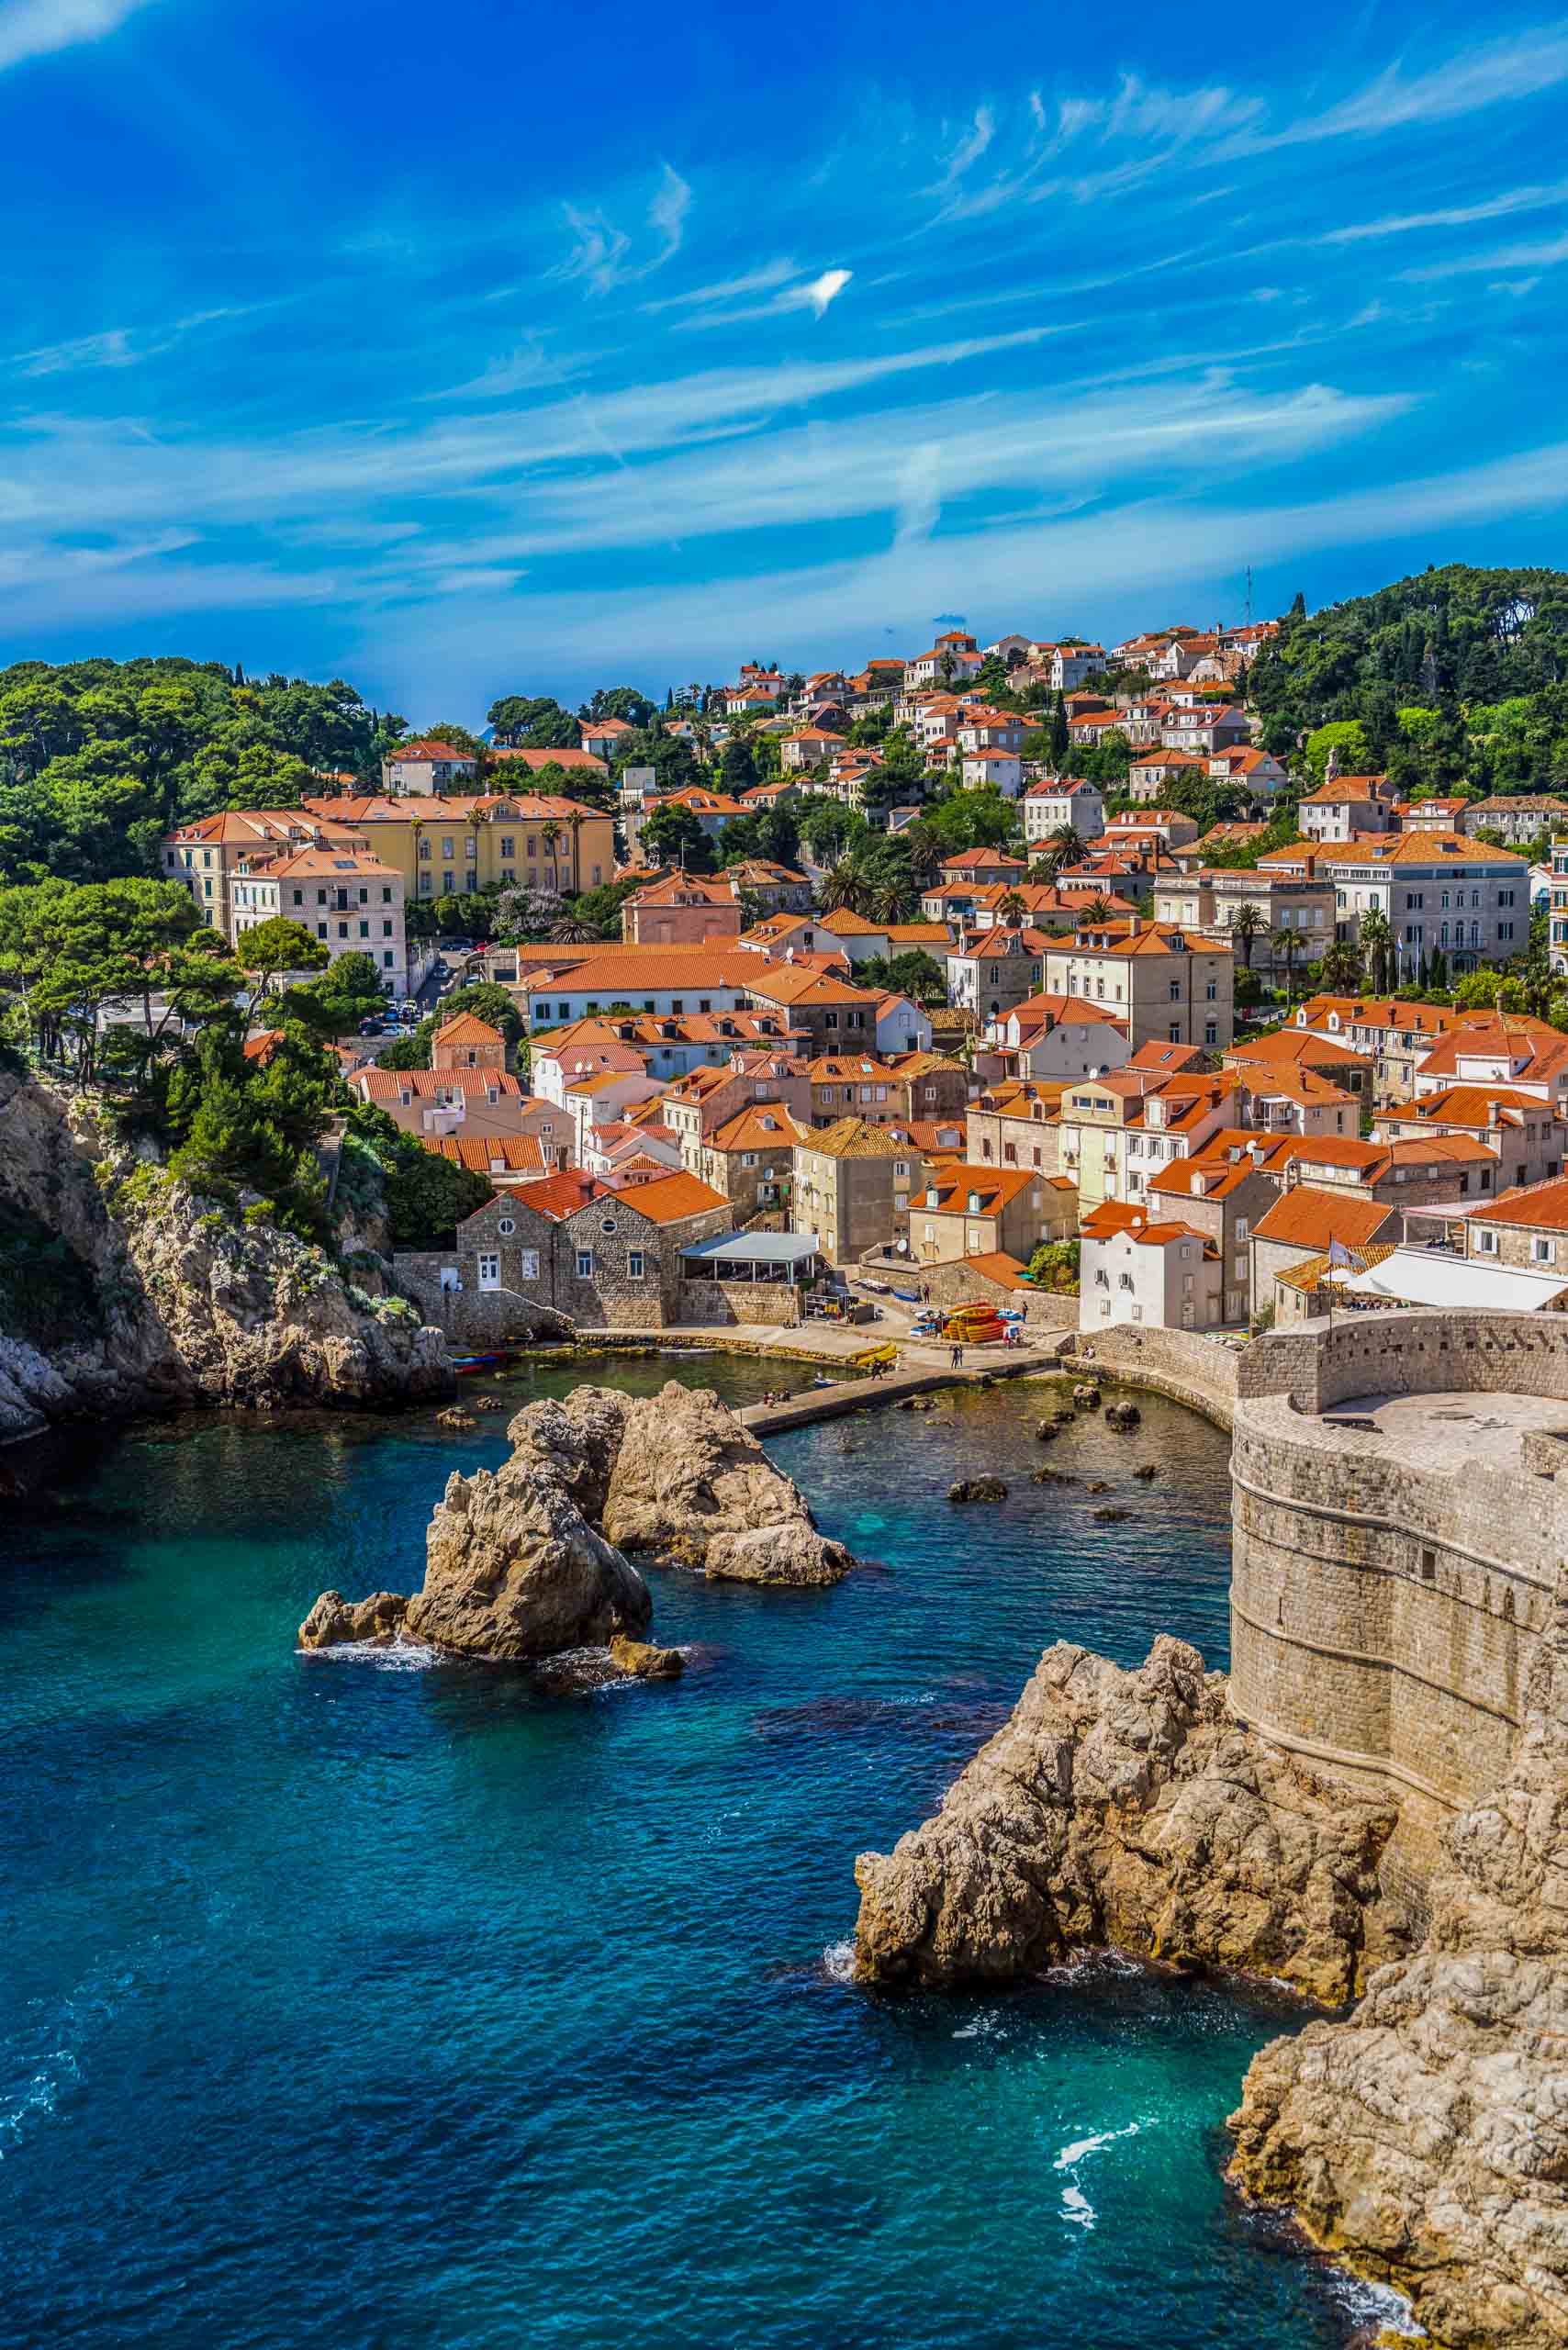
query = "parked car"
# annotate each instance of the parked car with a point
(373, 1027)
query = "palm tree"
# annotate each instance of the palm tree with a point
(1245, 924)
(888, 901)
(1011, 909)
(1068, 842)
(1097, 909)
(571, 930)
(846, 885)
(550, 833)
(1376, 943)
(1342, 967)
(1286, 942)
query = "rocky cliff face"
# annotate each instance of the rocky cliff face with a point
(186, 1303)
(522, 1565)
(1426, 2138)
(1130, 1809)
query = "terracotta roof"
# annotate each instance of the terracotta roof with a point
(1296, 1049)
(1543, 1205)
(670, 1199)
(834, 1069)
(1310, 1274)
(1306, 1217)
(1473, 1105)
(385, 1084)
(534, 760)
(1418, 849)
(468, 1029)
(559, 1195)
(614, 971)
(996, 1265)
(761, 1125)
(854, 1138)
(490, 1154)
(428, 749)
(995, 1187)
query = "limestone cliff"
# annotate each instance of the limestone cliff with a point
(1131, 1808)
(125, 1291)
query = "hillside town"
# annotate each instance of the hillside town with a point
(1021, 975)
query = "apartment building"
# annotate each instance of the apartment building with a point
(1115, 1132)
(453, 846)
(1062, 803)
(1347, 807)
(1438, 893)
(683, 909)
(427, 767)
(984, 1211)
(852, 1184)
(750, 1159)
(1139, 1268)
(1211, 899)
(347, 900)
(205, 854)
(1157, 982)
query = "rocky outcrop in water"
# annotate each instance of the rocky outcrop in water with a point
(1131, 1808)
(141, 1294)
(1426, 2137)
(336, 1622)
(519, 1564)
(691, 1485)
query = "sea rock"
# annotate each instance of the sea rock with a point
(575, 1443)
(335, 1622)
(978, 1489)
(1050, 1477)
(1110, 1515)
(453, 1418)
(1123, 1415)
(514, 1569)
(1131, 1808)
(489, 1403)
(691, 1484)
(1148, 1472)
(1047, 1431)
(1086, 1395)
(644, 1660)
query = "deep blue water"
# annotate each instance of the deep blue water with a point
(349, 2006)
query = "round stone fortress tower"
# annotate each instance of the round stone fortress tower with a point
(1400, 1524)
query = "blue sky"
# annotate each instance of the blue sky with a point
(489, 349)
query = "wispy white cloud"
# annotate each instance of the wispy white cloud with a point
(40, 27)
(114, 347)
(727, 289)
(1519, 66)
(970, 149)
(1540, 256)
(1453, 216)
(600, 254)
(815, 293)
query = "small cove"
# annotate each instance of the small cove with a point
(349, 2005)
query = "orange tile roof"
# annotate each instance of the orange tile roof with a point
(1542, 1206)
(1473, 1105)
(672, 1198)
(559, 1195)
(1295, 1047)
(1308, 1218)
(851, 1137)
(761, 1125)
(562, 758)
(468, 1029)
(489, 1153)
(995, 1187)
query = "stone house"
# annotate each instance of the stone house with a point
(750, 1159)
(1524, 1137)
(683, 909)
(930, 1085)
(985, 1211)
(468, 1043)
(856, 1085)
(604, 1259)
(1221, 1192)
(1135, 1267)
(992, 970)
(1525, 1230)
(1438, 893)
(705, 1098)
(833, 1016)
(1014, 1124)
(1056, 1037)
(473, 1103)
(852, 1182)
(1308, 1221)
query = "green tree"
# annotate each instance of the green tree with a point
(269, 949)
(673, 835)
(534, 723)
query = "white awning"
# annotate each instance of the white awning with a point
(1431, 1277)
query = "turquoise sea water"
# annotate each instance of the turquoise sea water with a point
(345, 2005)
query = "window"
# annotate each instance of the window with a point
(634, 1264)
(446, 850)
(1212, 990)
(1486, 1243)
(530, 1262)
(489, 1272)
(1542, 1251)
(584, 1264)
(387, 959)
(1175, 1032)
(424, 848)
(364, 930)
(508, 847)
(505, 1225)
(1175, 990)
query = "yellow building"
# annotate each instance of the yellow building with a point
(456, 845)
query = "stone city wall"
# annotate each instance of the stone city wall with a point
(1384, 1615)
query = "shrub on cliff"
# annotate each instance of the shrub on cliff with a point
(425, 1197)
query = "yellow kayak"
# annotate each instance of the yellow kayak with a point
(873, 1355)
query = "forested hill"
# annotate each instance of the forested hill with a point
(99, 758)
(1455, 676)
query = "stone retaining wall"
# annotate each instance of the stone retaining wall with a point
(1183, 1364)
(741, 1304)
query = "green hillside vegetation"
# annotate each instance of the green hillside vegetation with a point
(1454, 679)
(99, 758)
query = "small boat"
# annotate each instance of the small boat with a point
(822, 1380)
(479, 1362)
(910, 1296)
